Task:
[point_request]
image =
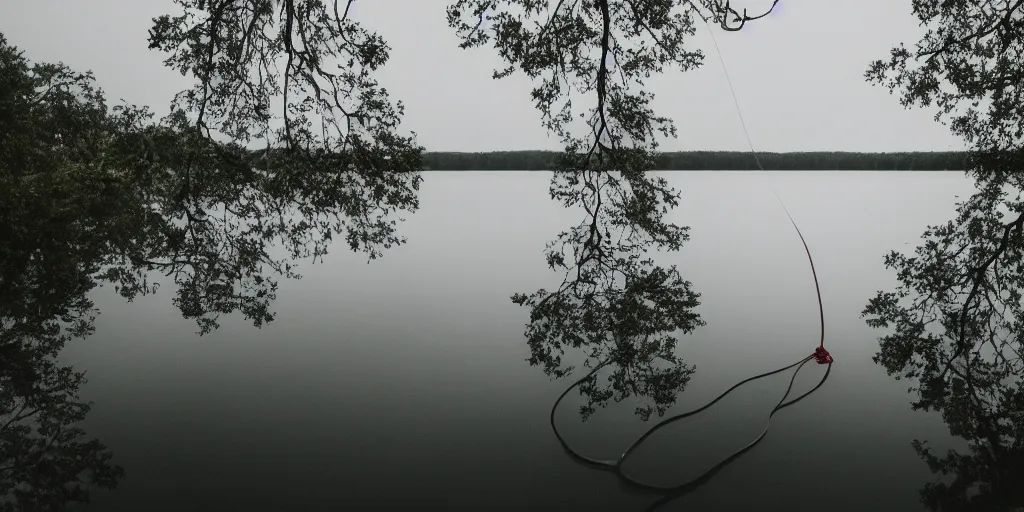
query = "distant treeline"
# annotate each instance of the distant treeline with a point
(716, 161)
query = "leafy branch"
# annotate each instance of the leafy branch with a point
(613, 302)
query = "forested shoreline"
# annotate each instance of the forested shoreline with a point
(715, 161)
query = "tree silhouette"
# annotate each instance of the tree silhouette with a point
(335, 166)
(960, 292)
(955, 318)
(62, 214)
(614, 303)
(988, 476)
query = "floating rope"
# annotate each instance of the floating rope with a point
(819, 355)
(616, 464)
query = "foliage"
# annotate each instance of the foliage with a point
(61, 215)
(225, 204)
(613, 303)
(955, 317)
(90, 194)
(206, 212)
(45, 460)
(968, 65)
(532, 160)
(962, 288)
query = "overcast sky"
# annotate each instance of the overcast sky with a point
(798, 75)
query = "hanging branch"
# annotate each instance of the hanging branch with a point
(613, 301)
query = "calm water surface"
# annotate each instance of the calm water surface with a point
(402, 384)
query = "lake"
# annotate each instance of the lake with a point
(402, 384)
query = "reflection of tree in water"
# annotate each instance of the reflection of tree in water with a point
(956, 331)
(45, 460)
(991, 476)
(613, 303)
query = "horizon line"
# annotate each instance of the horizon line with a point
(713, 151)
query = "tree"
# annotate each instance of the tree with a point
(227, 201)
(964, 282)
(92, 195)
(955, 317)
(62, 214)
(615, 304)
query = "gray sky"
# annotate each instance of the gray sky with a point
(798, 75)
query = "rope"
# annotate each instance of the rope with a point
(820, 355)
(616, 464)
(735, 100)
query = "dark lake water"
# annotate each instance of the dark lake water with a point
(402, 384)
